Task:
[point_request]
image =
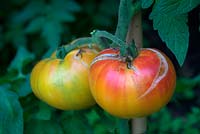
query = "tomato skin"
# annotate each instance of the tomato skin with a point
(132, 92)
(63, 83)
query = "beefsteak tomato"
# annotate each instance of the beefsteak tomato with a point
(133, 89)
(63, 83)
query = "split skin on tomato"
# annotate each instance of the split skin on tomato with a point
(132, 90)
(63, 83)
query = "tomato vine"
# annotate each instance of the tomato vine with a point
(118, 40)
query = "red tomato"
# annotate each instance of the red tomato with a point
(132, 90)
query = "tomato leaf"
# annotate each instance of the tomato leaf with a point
(51, 32)
(185, 6)
(22, 57)
(63, 10)
(170, 19)
(28, 12)
(35, 25)
(187, 83)
(146, 3)
(24, 87)
(185, 86)
(11, 113)
(63, 16)
(43, 127)
(107, 124)
(66, 5)
(174, 31)
(44, 112)
(93, 117)
(69, 122)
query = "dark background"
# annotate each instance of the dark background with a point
(24, 41)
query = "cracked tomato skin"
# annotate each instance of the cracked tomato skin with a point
(135, 91)
(63, 83)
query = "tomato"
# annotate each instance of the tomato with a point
(133, 89)
(63, 83)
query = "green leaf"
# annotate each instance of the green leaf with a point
(72, 5)
(146, 3)
(177, 124)
(195, 111)
(15, 35)
(32, 9)
(170, 19)
(35, 25)
(92, 117)
(63, 16)
(44, 112)
(66, 5)
(70, 124)
(174, 31)
(63, 10)
(11, 114)
(173, 7)
(107, 124)
(191, 131)
(51, 32)
(43, 127)
(186, 6)
(22, 57)
(184, 84)
(24, 88)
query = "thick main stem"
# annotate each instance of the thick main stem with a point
(123, 19)
(135, 31)
(139, 125)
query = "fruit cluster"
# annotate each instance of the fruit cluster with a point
(85, 76)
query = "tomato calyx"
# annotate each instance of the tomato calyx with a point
(126, 50)
(80, 52)
(128, 59)
(60, 52)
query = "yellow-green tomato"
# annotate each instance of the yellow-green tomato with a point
(63, 83)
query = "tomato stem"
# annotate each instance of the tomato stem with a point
(135, 30)
(123, 126)
(139, 125)
(81, 42)
(127, 9)
(124, 17)
(117, 41)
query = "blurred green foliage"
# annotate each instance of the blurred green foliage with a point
(32, 30)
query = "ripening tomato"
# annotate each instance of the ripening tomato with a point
(133, 89)
(63, 83)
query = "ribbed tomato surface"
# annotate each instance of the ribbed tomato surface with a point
(63, 83)
(132, 90)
